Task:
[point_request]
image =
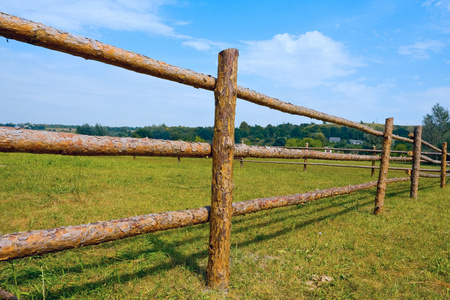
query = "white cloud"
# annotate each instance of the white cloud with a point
(132, 15)
(205, 45)
(303, 61)
(421, 50)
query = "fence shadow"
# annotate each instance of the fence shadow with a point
(191, 262)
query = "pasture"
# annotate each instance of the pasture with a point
(276, 254)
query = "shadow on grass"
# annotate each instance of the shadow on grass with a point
(191, 261)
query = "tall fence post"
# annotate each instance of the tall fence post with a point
(444, 164)
(373, 162)
(306, 160)
(417, 149)
(218, 270)
(384, 166)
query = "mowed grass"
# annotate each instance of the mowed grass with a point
(402, 254)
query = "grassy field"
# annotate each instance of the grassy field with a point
(333, 248)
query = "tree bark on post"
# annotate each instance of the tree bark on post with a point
(218, 270)
(384, 166)
(373, 162)
(306, 160)
(443, 164)
(417, 148)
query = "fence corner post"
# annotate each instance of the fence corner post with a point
(417, 149)
(218, 270)
(384, 166)
(444, 164)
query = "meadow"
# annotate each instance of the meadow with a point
(333, 248)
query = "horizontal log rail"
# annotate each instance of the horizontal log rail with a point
(38, 34)
(431, 146)
(332, 165)
(425, 175)
(50, 142)
(37, 242)
(430, 160)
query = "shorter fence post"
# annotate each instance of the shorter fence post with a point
(242, 162)
(384, 166)
(306, 160)
(444, 164)
(373, 162)
(417, 149)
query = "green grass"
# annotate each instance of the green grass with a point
(402, 254)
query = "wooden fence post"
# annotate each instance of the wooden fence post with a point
(384, 166)
(306, 160)
(373, 162)
(417, 148)
(443, 164)
(218, 270)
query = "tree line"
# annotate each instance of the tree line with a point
(436, 130)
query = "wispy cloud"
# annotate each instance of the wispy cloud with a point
(421, 50)
(303, 61)
(132, 15)
(205, 45)
(440, 13)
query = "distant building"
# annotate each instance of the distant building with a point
(335, 139)
(355, 142)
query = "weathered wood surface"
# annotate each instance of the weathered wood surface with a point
(218, 270)
(35, 141)
(426, 175)
(37, 242)
(384, 166)
(334, 165)
(430, 160)
(431, 146)
(38, 34)
(5, 295)
(444, 164)
(417, 148)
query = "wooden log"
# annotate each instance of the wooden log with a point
(35, 141)
(372, 173)
(443, 164)
(426, 175)
(306, 160)
(431, 146)
(430, 160)
(417, 147)
(339, 165)
(218, 270)
(5, 295)
(384, 166)
(38, 242)
(280, 152)
(38, 34)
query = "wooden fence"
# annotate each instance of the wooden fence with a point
(222, 150)
(424, 159)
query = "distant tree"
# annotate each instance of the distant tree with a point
(401, 132)
(281, 141)
(84, 129)
(436, 125)
(198, 139)
(294, 142)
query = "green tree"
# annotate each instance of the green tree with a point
(436, 125)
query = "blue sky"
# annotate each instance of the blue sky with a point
(361, 60)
